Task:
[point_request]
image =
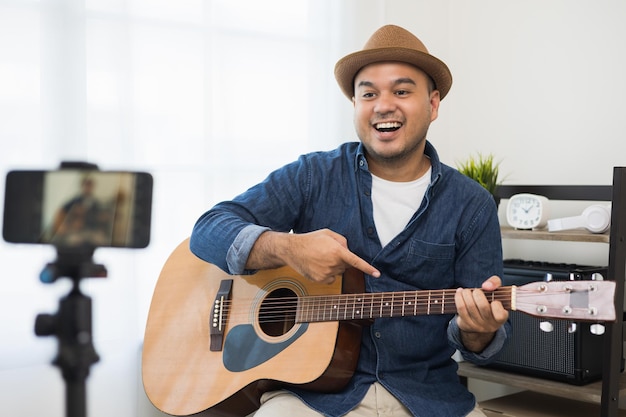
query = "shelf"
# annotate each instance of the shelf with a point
(564, 236)
(613, 385)
(589, 393)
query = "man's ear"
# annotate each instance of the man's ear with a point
(435, 99)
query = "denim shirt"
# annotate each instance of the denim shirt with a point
(453, 240)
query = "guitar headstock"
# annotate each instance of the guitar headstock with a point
(569, 300)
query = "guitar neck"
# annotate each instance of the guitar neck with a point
(387, 304)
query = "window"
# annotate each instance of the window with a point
(209, 96)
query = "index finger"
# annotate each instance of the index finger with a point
(360, 264)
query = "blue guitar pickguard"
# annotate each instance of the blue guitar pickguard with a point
(244, 350)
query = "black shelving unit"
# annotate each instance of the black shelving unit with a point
(613, 385)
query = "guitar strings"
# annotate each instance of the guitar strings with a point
(371, 305)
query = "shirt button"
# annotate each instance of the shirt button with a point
(370, 230)
(377, 334)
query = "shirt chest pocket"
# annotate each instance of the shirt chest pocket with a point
(432, 263)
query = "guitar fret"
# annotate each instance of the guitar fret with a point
(362, 306)
(328, 308)
(343, 308)
(349, 308)
(355, 311)
(385, 305)
(378, 304)
(403, 302)
(352, 310)
(324, 309)
(319, 310)
(364, 311)
(443, 302)
(433, 302)
(339, 307)
(400, 307)
(428, 304)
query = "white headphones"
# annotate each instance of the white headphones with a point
(595, 218)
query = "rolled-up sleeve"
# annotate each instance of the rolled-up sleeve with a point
(489, 353)
(238, 253)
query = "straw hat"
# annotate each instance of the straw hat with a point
(392, 43)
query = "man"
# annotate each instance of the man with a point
(82, 220)
(388, 207)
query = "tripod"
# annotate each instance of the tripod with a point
(72, 324)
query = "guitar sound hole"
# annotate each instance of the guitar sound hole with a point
(277, 314)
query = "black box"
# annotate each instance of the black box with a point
(562, 355)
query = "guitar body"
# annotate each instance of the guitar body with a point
(182, 375)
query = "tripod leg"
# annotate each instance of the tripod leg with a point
(76, 398)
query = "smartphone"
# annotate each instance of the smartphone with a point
(78, 208)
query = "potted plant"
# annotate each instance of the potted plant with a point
(484, 170)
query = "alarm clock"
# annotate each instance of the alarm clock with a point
(527, 211)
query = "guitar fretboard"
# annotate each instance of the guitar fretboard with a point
(386, 304)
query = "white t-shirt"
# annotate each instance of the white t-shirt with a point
(395, 203)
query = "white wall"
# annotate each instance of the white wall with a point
(538, 83)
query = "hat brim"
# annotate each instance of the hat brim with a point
(347, 67)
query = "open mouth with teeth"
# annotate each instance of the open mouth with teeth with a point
(388, 126)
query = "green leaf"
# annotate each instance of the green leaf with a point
(482, 169)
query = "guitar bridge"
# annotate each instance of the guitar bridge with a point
(219, 315)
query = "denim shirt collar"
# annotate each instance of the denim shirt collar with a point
(360, 161)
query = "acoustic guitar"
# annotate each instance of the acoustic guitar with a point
(214, 343)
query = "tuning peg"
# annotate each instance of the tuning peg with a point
(546, 326)
(597, 329)
(571, 328)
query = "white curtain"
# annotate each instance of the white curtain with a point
(207, 95)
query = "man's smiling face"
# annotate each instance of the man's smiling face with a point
(394, 104)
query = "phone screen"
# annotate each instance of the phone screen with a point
(76, 207)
